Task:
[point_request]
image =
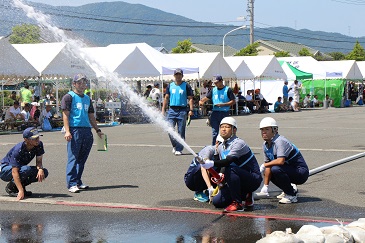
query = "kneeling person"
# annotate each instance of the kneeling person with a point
(15, 169)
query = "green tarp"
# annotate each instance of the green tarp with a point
(300, 75)
(333, 87)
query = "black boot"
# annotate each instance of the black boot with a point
(11, 189)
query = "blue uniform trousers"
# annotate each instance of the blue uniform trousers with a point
(239, 183)
(177, 116)
(215, 120)
(28, 174)
(78, 150)
(282, 176)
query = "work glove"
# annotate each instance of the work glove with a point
(208, 164)
(262, 168)
(199, 159)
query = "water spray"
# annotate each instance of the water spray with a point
(75, 49)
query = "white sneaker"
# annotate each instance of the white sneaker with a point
(74, 189)
(83, 187)
(282, 195)
(173, 150)
(178, 153)
(289, 199)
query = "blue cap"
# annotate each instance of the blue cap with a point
(218, 78)
(31, 133)
(178, 70)
(79, 77)
(156, 84)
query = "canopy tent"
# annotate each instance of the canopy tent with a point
(13, 66)
(294, 73)
(264, 67)
(347, 68)
(164, 64)
(333, 87)
(361, 66)
(239, 67)
(12, 63)
(306, 64)
(210, 64)
(53, 60)
(128, 62)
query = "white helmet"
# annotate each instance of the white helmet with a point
(230, 121)
(268, 122)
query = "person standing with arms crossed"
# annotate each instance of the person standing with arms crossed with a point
(223, 98)
(179, 95)
(78, 118)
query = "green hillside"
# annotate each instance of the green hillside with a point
(120, 22)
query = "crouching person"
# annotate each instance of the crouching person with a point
(197, 178)
(15, 169)
(241, 170)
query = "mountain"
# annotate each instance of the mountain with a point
(120, 22)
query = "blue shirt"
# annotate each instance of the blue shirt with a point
(19, 154)
(179, 94)
(79, 116)
(285, 91)
(242, 155)
(222, 95)
(281, 147)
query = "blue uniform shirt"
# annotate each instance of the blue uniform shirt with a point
(19, 154)
(281, 147)
(241, 152)
(179, 94)
(79, 116)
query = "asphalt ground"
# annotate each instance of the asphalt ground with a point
(139, 172)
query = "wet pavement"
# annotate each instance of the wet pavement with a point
(137, 192)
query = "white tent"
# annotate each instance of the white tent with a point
(347, 68)
(53, 60)
(164, 64)
(128, 61)
(12, 63)
(210, 64)
(361, 66)
(239, 67)
(265, 67)
(306, 64)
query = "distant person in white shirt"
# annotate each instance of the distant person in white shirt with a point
(13, 113)
(307, 101)
(25, 112)
(155, 95)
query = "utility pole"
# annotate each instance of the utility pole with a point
(250, 10)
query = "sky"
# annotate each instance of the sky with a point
(340, 16)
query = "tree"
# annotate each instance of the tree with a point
(337, 55)
(183, 47)
(357, 54)
(282, 54)
(304, 52)
(25, 34)
(249, 50)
